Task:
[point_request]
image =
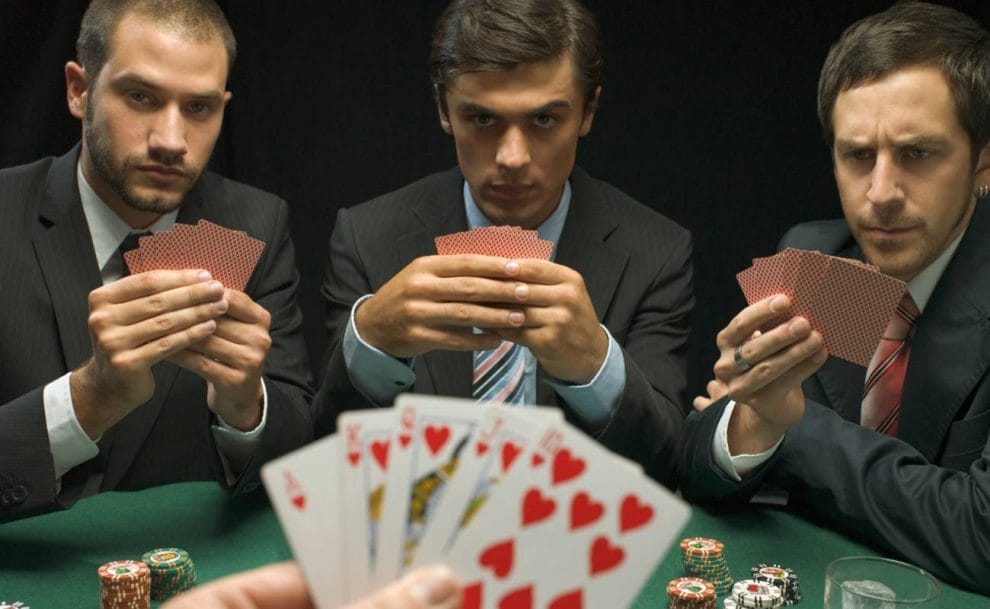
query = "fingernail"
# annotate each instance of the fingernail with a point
(798, 326)
(216, 288)
(522, 291)
(516, 317)
(434, 586)
(205, 276)
(778, 304)
(512, 267)
(220, 306)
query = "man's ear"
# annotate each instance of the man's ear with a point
(76, 89)
(442, 110)
(981, 174)
(590, 107)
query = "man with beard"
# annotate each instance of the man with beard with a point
(116, 382)
(899, 452)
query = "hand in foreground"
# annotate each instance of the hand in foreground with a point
(764, 375)
(435, 301)
(561, 327)
(134, 323)
(282, 586)
(231, 361)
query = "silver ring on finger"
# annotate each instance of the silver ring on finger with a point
(741, 364)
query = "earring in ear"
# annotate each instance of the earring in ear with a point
(983, 191)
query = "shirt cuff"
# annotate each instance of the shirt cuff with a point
(594, 402)
(69, 444)
(376, 374)
(735, 467)
(236, 447)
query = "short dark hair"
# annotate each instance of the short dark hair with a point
(199, 20)
(497, 35)
(912, 34)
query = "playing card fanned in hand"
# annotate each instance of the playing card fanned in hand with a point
(229, 255)
(847, 301)
(527, 510)
(503, 241)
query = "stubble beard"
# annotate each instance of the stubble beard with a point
(115, 176)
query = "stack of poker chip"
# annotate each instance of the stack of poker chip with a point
(125, 584)
(690, 593)
(705, 558)
(172, 571)
(753, 594)
(783, 578)
(14, 605)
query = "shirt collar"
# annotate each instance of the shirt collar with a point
(550, 229)
(922, 286)
(106, 228)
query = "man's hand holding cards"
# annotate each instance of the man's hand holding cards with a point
(528, 511)
(847, 301)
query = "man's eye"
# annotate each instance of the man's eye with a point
(483, 120)
(860, 155)
(199, 108)
(546, 120)
(918, 153)
(138, 97)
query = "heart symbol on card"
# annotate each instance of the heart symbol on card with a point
(354, 457)
(633, 513)
(568, 600)
(585, 510)
(566, 467)
(436, 437)
(536, 507)
(521, 598)
(509, 453)
(404, 439)
(498, 557)
(481, 448)
(379, 450)
(604, 555)
(537, 459)
(471, 596)
(299, 501)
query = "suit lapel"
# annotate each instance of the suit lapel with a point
(584, 244)
(66, 257)
(439, 211)
(951, 346)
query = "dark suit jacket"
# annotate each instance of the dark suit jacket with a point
(47, 269)
(635, 263)
(924, 495)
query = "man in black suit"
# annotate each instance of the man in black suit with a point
(904, 99)
(603, 327)
(165, 375)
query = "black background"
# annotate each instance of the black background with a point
(708, 115)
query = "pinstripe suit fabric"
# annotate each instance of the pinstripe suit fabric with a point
(635, 264)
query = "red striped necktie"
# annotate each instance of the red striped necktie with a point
(885, 375)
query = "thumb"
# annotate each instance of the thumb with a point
(429, 588)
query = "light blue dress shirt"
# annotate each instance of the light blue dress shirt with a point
(381, 377)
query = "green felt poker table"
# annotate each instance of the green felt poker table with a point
(50, 561)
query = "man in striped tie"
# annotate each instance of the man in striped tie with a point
(599, 331)
(896, 452)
